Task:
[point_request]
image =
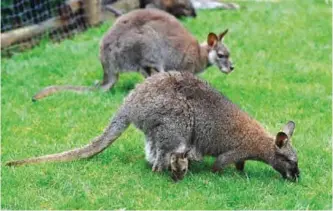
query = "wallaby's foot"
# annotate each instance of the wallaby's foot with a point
(216, 167)
(107, 85)
(97, 83)
(157, 168)
(240, 165)
(109, 81)
(158, 165)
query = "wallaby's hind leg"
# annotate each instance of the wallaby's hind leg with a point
(109, 80)
(148, 71)
(228, 158)
(160, 161)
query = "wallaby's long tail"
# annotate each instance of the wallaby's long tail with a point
(116, 12)
(118, 124)
(50, 90)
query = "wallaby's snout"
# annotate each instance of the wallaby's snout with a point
(226, 66)
(231, 67)
(291, 173)
(177, 176)
(294, 174)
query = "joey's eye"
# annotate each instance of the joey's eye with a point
(221, 55)
(184, 170)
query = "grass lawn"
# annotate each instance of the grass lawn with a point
(282, 54)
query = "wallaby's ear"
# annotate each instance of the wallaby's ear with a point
(212, 39)
(173, 157)
(289, 128)
(281, 139)
(186, 153)
(221, 36)
(167, 3)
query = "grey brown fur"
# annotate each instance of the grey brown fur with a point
(177, 110)
(178, 8)
(151, 41)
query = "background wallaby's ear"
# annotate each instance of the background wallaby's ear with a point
(281, 139)
(221, 36)
(212, 39)
(167, 3)
(289, 128)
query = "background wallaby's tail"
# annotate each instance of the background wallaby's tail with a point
(116, 12)
(118, 124)
(50, 90)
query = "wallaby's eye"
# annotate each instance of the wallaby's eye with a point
(220, 55)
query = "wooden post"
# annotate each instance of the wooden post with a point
(92, 10)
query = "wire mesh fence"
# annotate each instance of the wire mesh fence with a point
(25, 22)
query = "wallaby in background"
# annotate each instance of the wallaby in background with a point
(176, 109)
(178, 8)
(151, 40)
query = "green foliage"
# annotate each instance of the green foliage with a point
(282, 53)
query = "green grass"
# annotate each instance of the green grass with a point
(282, 53)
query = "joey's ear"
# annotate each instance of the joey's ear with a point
(173, 157)
(186, 153)
(212, 39)
(221, 36)
(289, 128)
(281, 139)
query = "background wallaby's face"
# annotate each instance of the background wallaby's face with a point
(178, 165)
(182, 8)
(219, 54)
(286, 161)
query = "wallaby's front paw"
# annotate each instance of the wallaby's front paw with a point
(156, 169)
(240, 166)
(216, 169)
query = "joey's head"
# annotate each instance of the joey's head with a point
(285, 158)
(179, 165)
(180, 8)
(218, 53)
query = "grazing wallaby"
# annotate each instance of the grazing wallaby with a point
(175, 109)
(151, 40)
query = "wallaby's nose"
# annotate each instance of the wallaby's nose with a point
(231, 67)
